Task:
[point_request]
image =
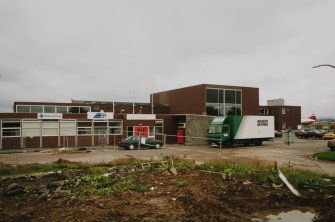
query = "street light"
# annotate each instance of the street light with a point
(324, 65)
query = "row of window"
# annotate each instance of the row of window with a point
(36, 128)
(52, 109)
(32, 128)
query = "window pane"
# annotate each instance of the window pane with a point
(212, 109)
(115, 124)
(233, 110)
(115, 131)
(84, 109)
(73, 109)
(221, 96)
(61, 109)
(23, 109)
(100, 131)
(11, 124)
(100, 124)
(37, 109)
(212, 96)
(84, 131)
(238, 97)
(49, 109)
(130, 131)
(10, 132)
(229, 96)
(85, 123)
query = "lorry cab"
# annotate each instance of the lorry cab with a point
(218, 131)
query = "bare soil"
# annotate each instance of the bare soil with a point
(189, 196)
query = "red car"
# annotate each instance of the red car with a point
(331, 144)
(300, 133)
(315, 134)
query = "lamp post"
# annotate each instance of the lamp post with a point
(324, 65)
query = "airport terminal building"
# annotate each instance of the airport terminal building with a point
(178, 113)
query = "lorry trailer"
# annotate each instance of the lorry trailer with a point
(241, 130)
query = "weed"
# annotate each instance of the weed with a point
(180, 184)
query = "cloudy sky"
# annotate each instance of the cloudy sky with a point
(124, 50)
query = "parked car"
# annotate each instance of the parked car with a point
(133, 142)
(300, 133)
(329, 136)
(278, 133)
(315, 134)
(331, 144)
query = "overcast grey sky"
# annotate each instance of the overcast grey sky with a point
(124, 50)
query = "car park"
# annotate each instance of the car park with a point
(134, 142)
(329, 135)
(331, 144)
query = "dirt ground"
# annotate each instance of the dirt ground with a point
(160, 196)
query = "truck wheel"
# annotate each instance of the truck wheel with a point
(258, 143)
(157, 146)
(131, 146)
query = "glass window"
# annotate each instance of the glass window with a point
(11, 132)
(49, 109)
(100, 128)
(115, 128)
(84, 109)
(73, 109)
(84, 124)
(151, 131)
(230, 96)
(264, 111)
(84, 131)
(23, 109)
(238, 97)
(221, 96)
(37, 109)
(130, 131)
(11, 128)
(283, 111)
(84, 128)
(283, 125)
(212, 96)
(61, 109)
(233, 110)
(212, 109)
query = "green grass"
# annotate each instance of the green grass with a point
(329, 156)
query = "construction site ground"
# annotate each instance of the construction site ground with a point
(153, 193)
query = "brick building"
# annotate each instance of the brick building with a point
(179, 112)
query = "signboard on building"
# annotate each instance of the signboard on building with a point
(49, 115)
(141, 116)
(100, 115)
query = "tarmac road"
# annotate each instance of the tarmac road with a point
(299, 154)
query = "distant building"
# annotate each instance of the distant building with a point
(285, 116)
